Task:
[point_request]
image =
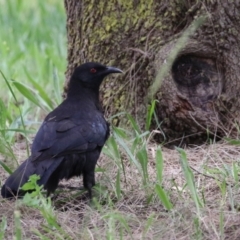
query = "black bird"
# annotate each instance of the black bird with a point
(71, 137)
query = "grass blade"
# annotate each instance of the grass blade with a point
(143, 159)
(189, 179)
(42, 93)
(118, 186)
(163, 197)
(6, 168)
(3, 116)
(159, 165)
(111, 150)
(134, 124)
(20, 112)
(58, 89)
(3, 227)
(27, 93)
(150, 114)
(231, 141)
(128, 151)
(18, 228)
(19, 130)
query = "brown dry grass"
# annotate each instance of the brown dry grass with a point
(82, 220)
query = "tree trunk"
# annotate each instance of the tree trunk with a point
(198, 95)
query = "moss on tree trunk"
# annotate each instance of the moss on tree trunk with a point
(198, 95)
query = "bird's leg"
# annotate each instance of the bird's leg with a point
(48, 193)
(89, 182)
(89, 188)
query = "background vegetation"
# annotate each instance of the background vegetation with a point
(143, 191)
(33, 61)
(33, 50)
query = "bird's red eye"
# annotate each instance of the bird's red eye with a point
(93, 70)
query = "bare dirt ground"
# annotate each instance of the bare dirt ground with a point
(132, 217)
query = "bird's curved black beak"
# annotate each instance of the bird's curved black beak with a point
(113, 70)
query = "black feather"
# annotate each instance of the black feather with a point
(71, 137)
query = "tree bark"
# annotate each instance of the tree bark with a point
(199, 94)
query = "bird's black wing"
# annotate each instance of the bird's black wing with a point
(60, 135)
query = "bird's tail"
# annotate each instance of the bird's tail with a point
(43, 168)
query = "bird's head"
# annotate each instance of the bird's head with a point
(91, 74)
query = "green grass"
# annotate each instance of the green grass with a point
(33, 61)
(32, 50)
